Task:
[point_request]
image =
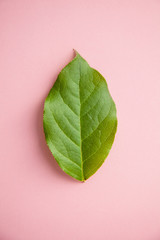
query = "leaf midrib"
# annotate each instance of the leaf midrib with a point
(80, 121)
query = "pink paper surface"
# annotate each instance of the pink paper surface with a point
(121, 39)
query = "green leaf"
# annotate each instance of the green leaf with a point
(79, 119)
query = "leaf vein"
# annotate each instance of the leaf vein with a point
(67, 104)
(91, 93)
(101, 144)
(91, 107)
(63, 154)
(62, 129)
(98, 124)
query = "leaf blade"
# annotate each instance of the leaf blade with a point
(79, 119)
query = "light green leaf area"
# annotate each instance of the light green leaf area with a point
(79, 119)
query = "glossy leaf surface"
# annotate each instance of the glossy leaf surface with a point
(79, 119)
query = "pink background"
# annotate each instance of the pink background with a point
(121, 39)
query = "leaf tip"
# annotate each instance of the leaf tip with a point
(75, 51)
